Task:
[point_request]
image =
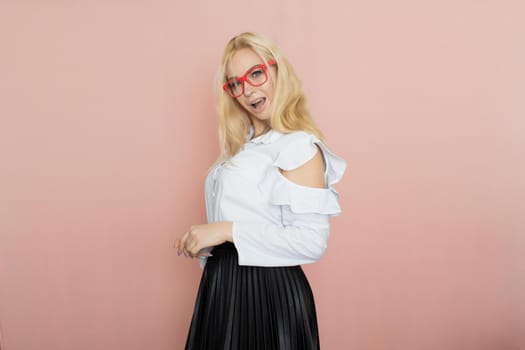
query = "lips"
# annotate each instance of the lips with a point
(257, 103)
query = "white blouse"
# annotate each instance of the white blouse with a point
(276, 222)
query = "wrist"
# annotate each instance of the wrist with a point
(228, 231)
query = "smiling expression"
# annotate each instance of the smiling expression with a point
(257, 100)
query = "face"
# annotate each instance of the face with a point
(257, 100)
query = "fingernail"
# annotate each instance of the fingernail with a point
(210, 254)
(178, 252)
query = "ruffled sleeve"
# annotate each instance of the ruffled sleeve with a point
(301, 236)
(297, 149)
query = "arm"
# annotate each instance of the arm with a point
(298, 187)
(306, 235)
(303, 236)
(199, 237)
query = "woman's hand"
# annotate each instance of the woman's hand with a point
(203, 236)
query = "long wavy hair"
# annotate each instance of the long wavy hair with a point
(289, 111)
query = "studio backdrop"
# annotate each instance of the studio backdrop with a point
(107, 129)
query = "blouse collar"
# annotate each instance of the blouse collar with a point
(265, 138)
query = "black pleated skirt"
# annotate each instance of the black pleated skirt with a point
(252, 307)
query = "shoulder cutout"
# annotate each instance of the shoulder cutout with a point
(310, 174)
(302, 176)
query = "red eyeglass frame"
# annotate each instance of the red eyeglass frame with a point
(244, 78)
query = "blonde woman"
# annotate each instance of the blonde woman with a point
(269, 197)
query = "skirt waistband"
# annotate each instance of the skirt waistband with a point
(224, 248)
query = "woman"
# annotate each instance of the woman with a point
(269, 197)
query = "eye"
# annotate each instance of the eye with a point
(234, 84)
(256, 73)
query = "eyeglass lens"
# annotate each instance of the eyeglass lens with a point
(255, 77)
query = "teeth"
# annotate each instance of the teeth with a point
(259, 100)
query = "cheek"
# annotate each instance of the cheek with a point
(243, 104)
(270, 89)
(271, 86)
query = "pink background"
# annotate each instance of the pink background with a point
(108, 127)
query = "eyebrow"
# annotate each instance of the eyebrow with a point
(255, 65)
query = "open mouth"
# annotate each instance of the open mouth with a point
(258, 103)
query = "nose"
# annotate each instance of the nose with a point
(248, 89)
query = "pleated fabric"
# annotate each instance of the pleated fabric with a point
(252, 307)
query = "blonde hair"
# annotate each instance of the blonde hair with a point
(289, 109)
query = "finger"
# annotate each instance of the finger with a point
(190, 243)
(193, 247)
(182, 245)
(178, 246)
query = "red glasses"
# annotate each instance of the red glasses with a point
(256, 76)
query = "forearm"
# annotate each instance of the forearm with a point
(268, 244)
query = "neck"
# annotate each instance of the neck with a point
(259, 129)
